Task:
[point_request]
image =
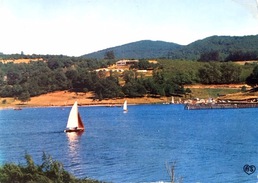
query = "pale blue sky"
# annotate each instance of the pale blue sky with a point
(77, 27)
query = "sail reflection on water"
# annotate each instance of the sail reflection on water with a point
(74, 151)
(73, 140)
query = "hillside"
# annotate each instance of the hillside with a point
(137, 50)
(224, 45)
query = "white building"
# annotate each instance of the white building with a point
(126, 62)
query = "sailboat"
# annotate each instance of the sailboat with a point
(74, 123)
(172, 100)
(125, 106)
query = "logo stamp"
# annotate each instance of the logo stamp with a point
(249, 169)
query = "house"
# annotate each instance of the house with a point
(126, 62)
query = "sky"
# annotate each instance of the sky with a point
(78, 27)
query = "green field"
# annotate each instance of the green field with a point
(211, 92)
(190, 68)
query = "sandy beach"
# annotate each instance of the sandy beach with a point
(65, 98)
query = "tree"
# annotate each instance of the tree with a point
(134, 89)
(72, 75)
(239, 55)
(60, 80)
(142, 65)
(7, 91)
(109, 55)
(13, 77)
(54, 63)
(252, 79)
(158, 76)
(24, 96)
(182, 78)
(128, 76)
(210, 73)
(107, 88)
(150, 86)
(230, 73)
(209, 56)
(85, 79)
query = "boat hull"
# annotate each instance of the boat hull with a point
(73, 130)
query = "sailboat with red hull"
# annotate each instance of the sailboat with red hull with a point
(74, 123)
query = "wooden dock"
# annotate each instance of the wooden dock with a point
(220, 106)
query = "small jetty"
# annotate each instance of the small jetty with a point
(200, 106)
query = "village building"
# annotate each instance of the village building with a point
(126, 62)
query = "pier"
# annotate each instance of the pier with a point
(220, 106)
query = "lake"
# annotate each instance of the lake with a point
(206, 145)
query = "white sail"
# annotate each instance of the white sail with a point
(73, 117)
(172, 100)
(74, 123)
(125, 106)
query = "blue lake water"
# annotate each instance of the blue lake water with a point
(207, 145)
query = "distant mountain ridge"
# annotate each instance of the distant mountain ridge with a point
(225, 45)
(161, 49)
(137, 50)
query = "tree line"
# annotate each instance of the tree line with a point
(56, 73)
(219, 48)
(233, 56)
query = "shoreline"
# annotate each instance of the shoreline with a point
(67, 99)
(20, 107)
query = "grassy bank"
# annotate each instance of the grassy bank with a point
(212, 92)
(50, 171)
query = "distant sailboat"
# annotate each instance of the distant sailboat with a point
(74, 123)
(125, 106)
(172, 100)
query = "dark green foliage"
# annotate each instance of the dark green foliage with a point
(252, 79)
(145, 65)
(209, 56)
(137, 50)
(58, 72)
(150, 86)
(214, 48)
(243, 89)
(24, 96)
(134, 89)
(188, 90)
(109, 55)
(129, 76)
(23, 81)
(181, 71)
(107, 88)
(219, 73)
(222, 45)
(50, 171)
(239, 55)
(230, 73)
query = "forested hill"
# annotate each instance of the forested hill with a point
(224, 46)
(137, 50)
(210, 48)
